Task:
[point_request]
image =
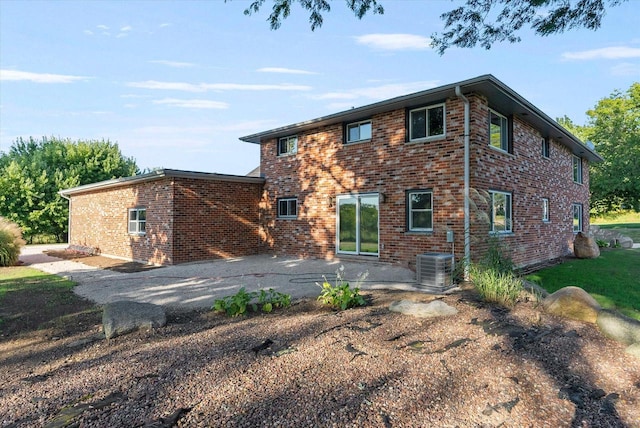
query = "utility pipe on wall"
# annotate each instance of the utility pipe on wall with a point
(467, 232)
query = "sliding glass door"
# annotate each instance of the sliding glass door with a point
(358, 224)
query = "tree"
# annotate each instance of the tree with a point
(33, 171)
(614, 128)
(483, 22)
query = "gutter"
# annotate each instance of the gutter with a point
(68, 218)
(467, 231)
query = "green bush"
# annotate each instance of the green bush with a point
(264, 300)
(341, 295)
(602, 243)
(10, 242)
(493, 286)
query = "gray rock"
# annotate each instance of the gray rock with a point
(585, 247)
(572, 302)
(619, 327)
(625, 242)
(633, 349)
(123, 317)
(534, 290)
(435, 308)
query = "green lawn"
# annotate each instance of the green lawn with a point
(613, 279)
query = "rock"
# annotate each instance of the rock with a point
(633, 349)
(122, 317)
(572, 302)
(536, 292)
(585, 247)
(625, 242)
(619, 327)
(435, 308)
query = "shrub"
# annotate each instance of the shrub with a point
(497, 256)
(10, 242)
(493, 286)
(602, 243)
(341, 296)
(264, 300)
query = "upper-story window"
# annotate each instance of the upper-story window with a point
(359, 131)
(577, 169)
(498, 131)
(501, 220)
(137, 221)
(545, 147)
(288, 145)
(426, 122)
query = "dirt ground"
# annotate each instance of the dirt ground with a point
(101, 261)
(310, 366)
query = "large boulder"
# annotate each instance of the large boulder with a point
(572, 302)
(436, 308)
(123, 316)
(619, 327)
(585, 247)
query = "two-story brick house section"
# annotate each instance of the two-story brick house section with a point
(435, 171)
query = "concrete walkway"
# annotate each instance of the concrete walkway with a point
(197, 285)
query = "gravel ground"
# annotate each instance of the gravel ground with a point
(365, 367)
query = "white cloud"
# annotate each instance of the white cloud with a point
(102, 27)
(394, 42)
(198, 104)
(626, 69)
(88, 32)
(174, 64)
(377, 93)
(126, 28)
(16, 75)
(613, 52)
(203, 87)
(164, 25)
(283, 70)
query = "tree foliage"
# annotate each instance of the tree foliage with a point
(483, 22)
(33, 171)
(614, 128)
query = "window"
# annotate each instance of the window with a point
(501, 218)
(577, 169)
(545, 147)
(288, 145)
(577, 217)
(419, 211)
(359, 131)
(498, 131)
(545, 209)
(288, 208)
(137, 221)
(426, 122)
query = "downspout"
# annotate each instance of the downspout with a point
(467, 232)
(68, 219)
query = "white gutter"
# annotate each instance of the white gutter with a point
(467, 232)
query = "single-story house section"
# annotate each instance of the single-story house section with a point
(438, 171)
(167, 217)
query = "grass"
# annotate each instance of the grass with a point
(624, 222)
(613, 279)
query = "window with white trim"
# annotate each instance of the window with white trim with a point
(501, 219)
(359, 131)
(545, 147)
(288, 208)
(577, 169)
(577, 217)
(427, 122)
(420, 210)
(137, 221)
(545, 209)
(498, 131)
(288, 145)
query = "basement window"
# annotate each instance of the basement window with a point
(137, 221)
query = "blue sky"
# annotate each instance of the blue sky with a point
(176, 83)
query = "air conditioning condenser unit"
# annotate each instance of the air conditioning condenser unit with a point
(434, 271)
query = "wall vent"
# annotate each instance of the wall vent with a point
(434, 271)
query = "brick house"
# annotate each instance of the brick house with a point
(167, 217)
(435, 171)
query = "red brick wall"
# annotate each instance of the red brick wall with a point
(324, 167)
(99, 220)
(187, 220)
(215, 219)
